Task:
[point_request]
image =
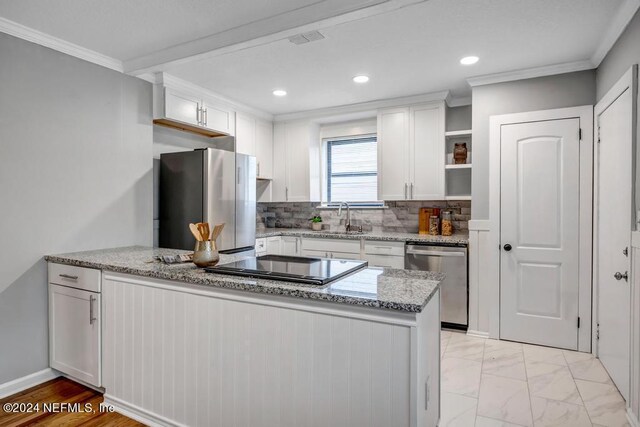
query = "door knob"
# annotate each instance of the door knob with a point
(620, 276)
(507, 247)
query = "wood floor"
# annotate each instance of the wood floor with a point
(61, 390)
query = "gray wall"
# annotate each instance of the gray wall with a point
(624, 53)
(564, 90)
(459, 118)
(75, 174)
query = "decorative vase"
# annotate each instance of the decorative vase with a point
(460, 153)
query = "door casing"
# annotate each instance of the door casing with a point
(492, 288)
(629, 81)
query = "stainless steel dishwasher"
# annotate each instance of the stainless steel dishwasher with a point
(452, 261)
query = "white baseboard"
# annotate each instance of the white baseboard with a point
(633, 419)
(141, 415)
(28, 381)
(478, 334)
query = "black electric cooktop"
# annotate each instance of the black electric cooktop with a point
(313, 271)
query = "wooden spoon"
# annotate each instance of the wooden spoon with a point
(217, 230)
(195, 232)
(203, 227)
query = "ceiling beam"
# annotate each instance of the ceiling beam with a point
(316, 16)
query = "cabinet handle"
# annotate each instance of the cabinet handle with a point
(91, 317)
(286, 193)
(198, 113)
(205, 115)
(296, 246)
(411, 191)
(68, 276)
(257, 168)
(405, 190)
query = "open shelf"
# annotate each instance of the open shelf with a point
(458, 133)
(457, 198)
(462, 166)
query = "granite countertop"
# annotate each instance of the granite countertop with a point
(386, 288)
(456, 239)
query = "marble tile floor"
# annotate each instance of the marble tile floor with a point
(490, 383)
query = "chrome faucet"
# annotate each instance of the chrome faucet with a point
(348, 223)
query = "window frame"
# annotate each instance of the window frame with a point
(346, 140)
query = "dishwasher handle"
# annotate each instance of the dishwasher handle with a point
(412, 250)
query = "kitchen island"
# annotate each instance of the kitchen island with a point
(181, 346)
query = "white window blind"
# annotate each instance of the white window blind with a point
(352, 170)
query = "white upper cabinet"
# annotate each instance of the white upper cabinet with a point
(245, 134)
(426, 155)
(411, 152)
(255, 138)
(181, 107)
(393, 154)
(191, 112)
(218, 118)
(296, 163)
(264, 149)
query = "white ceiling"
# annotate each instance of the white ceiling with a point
(125, 29)
(410, 51)
(407, 51)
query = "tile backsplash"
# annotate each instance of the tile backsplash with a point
(399, 216)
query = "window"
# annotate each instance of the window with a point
(352, 170)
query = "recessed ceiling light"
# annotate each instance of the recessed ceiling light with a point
(469, 60)
(280, 92)
(361, 79)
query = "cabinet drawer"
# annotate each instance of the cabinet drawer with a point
(331, 245)
(75, 277)
(384, 261)
(328, 254)
(379, 247)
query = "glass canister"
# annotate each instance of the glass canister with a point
(205, 254)
(447, 224)
(434, 225)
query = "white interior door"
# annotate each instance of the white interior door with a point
(614, 222)
(540, 239)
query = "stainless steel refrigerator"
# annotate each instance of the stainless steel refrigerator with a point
(207, 185)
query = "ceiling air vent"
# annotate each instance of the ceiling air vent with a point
(306, 37)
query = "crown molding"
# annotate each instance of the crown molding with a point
(361, 110)
(623, 16)
(196, 90)
(38, 37)
(530, 73)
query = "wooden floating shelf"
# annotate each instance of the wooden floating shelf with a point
(462, 166)
(467, 132)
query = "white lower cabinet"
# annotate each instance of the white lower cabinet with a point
(283, 245)
(384, 253)
(331, 248)
(273, 245)
(290, 245)
(74, 333)
(384, 261)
